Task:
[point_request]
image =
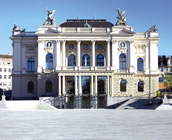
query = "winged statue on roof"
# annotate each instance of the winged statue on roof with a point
(50, 20)
(121, 18)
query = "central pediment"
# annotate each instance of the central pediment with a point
(123, 31)
(47, 30)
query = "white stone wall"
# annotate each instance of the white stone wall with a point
(132, 85)
(136, 46)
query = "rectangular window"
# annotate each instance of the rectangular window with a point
(0, 69)
(9, 76)
(5, 69)
(9, 69)
(170, 69)
(0, 76)
(5, 76)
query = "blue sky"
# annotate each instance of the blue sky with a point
(141, 15)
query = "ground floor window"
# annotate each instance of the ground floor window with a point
(30, 87)
(48, 86)
(101, 84)
(123, 85)
(85, 80)
(70, 84)
(140, 86)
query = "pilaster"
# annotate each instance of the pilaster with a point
(93, 54)
(64, 54)
(108, 55)
(78, 53)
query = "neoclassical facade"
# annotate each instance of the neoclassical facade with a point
(84, 63)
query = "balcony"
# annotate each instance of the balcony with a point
(123, 71)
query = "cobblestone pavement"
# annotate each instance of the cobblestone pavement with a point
(86, 124)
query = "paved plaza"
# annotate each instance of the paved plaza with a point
(86, 124)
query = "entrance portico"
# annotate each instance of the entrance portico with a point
(84, 90)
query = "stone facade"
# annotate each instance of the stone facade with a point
(84, 66)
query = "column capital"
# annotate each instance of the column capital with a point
(57, 41)
(93, 41)
(114, 41)
(64, 41)
(78, 41)
(108, 40)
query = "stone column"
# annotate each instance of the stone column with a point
(112, 85)
(41, 57)
(76, 100)
(64, 54)
(108, 55)
(92, 92)
(78, 53)
(108, 94)
(60, 94)
(64, 92)
(115, 56)
(57, 56)
(80, 93)
(147, 60)
(132, 59)
(96, 102)
(76, 86)
(93, 54)
(92, 87)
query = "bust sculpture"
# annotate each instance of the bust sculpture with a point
(50, 20)
(121, 18)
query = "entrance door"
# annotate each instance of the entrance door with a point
(102, 91)
(70, 91)
(86, 84)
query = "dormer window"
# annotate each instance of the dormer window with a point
(87, 25)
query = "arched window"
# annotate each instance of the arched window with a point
(31, 64)
(122, 61)
(30, 87)
(71, 60)
(85, 60)
(48, 86)
(140, 86)
(139, 64)
(100, 60)
(123, 85)
(49, 61)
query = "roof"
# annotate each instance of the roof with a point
(82, 22)
(5, 56)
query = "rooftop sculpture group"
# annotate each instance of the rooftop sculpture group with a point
(153, 29)
(50, 20)
(121, 18)
(17, 29)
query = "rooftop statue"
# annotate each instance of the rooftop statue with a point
(17, 29)
(50, 19)
(121, 18)
(153, 29)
